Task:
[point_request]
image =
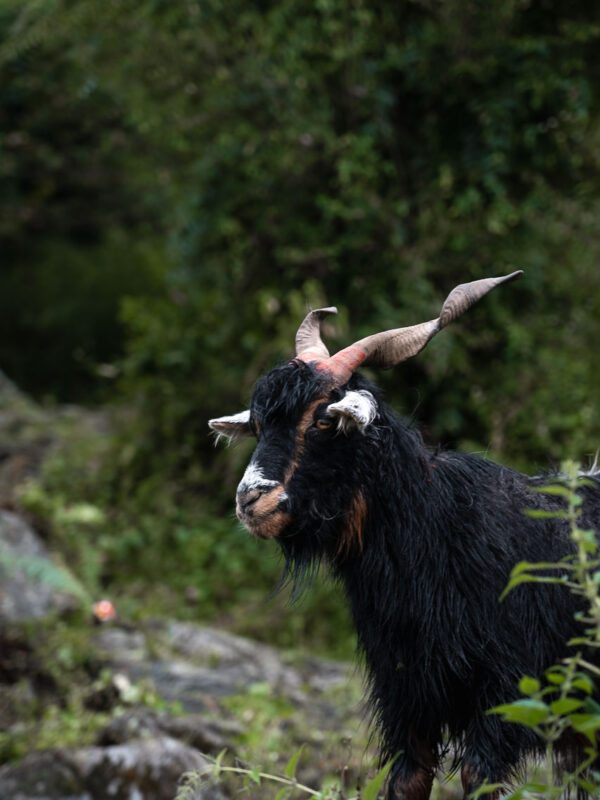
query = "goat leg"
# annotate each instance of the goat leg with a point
(416, 786)
(413, 772)
(471, 781)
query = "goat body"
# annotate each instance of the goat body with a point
(423, 545)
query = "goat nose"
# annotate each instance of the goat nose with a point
(247, 499)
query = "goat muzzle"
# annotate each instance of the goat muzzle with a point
(263, 511)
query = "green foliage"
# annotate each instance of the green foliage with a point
(181, 181)
(382, 155)
(191, 782)
(371, 155)
(55, 726)
(78, 231)
(44, 571)
(562, 707)
(70, 722)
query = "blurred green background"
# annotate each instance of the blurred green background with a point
(181, 181)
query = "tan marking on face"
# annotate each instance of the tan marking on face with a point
(267, 503)
(266, 521)
(271, 526)
(305, 422)
(352, 531)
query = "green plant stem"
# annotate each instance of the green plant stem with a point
(276, 778)
(590, 667)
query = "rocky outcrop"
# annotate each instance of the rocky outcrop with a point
(142, 752)
(196, 730)
(146, 769)
(30, 583)
(193, 665)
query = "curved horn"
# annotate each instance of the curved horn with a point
(389, 348)
(309, 346)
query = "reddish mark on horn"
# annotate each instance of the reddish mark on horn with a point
(340, 366)
(343, 364)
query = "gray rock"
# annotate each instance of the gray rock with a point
(140, 770)
(42, 776)
(193, 664)
(28, 579)
(255, 662)
(206, 735)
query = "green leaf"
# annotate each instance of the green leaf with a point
(517, 794)
(527, 712)
(290, 767)
(565, 705)
(592, 706)
(556, 489)
(46, 572)
(373, 786)
(254, 774)
(526, 566)
(218, 762)
(485, 789)
(538, 514)
(587, 785)
(586, 684)
(528, 685)
(555, 677)
(587, 724)
(527, 578)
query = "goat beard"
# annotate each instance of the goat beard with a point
(307, 548)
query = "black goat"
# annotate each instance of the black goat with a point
(422, 544)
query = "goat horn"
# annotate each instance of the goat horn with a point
(309, 346)
(389, 348)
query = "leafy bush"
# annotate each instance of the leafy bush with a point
(562, 707)
(369, 155)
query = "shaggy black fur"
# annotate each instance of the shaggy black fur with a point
(440, 537)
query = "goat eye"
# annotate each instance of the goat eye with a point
(323, 424)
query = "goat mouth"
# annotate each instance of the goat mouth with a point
(265, 526)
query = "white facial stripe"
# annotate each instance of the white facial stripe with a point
(359, 406)
(254, 478)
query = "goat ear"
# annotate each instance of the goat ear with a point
(354, 410)
(234, 427)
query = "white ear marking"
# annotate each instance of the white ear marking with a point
(358, 408)
(232, 427)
